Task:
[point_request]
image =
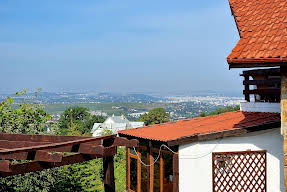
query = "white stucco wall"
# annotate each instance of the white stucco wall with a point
(260, 107)
(195, 159)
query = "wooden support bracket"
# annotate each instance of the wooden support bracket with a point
(122, 141)
(5, 166)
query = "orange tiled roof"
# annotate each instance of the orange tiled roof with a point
(202, 125)
(262, 25)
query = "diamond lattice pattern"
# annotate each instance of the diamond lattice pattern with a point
(239, 171)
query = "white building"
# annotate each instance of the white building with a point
(233, 151)
(115, 124)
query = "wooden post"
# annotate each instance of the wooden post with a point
(247, 96)
(138, 170)
(149, 169)
(175, 173)
(109, 181)
(108, 166)
(284, 114)
(161, 172)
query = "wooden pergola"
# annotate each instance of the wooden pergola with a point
(48, 151)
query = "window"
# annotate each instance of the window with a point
(144, 170)
(158, 177)
(133, 174)
(156, 173)
(239, 171)
(167, 172)
(133, 170)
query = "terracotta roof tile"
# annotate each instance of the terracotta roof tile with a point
(262, 25)
(202, 125)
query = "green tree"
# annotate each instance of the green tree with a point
(72, 115)
(89, 123)
(221, 110)
(28, 119)
(77, 120)
(155, 116)
(86, 176)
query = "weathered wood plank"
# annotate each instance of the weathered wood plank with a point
(272, 71)
(262, 91)
(109, 178)
(122, 141)
(175, 181)
(262, 82)
(34, 166)
(53, 145)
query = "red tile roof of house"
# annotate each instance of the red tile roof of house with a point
(262, 25)
(202, 125)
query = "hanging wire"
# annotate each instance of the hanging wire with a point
(191, 157)
(156, 159)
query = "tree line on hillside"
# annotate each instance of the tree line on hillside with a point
(221, 110)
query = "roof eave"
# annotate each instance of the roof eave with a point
(224, 133)
(253, 63)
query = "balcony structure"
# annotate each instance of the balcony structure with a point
(263, 84)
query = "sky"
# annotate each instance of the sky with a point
(117, 46)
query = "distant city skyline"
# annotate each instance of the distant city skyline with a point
(117, 46)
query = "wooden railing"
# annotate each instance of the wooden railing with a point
(267, 84)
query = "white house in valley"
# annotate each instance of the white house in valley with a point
(115, 124)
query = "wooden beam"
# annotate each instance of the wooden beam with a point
(271, 71)
(122, 141)
(7, 144)
(48, 157)
(34, 166)
(98, 150)
(255, 63)
(38, 138)
(47, 138)
(32, 155)
(53, 145)
(262, 82)
(5, 166)
(263, 91)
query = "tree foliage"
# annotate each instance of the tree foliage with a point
(77, 121)
(155, 116)
(29, 119)
(221, 110)
(86, 176)
(26, 118)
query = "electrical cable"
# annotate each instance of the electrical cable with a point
(156, 159)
